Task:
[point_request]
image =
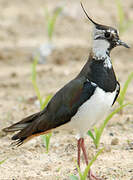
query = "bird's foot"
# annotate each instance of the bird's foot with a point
(91, 176)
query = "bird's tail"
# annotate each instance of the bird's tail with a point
(28, 128)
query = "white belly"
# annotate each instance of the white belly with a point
(92, 111)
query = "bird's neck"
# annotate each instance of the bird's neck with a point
(99, 52)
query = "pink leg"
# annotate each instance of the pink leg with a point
(90, 175)
(84, 150)
(79, 150)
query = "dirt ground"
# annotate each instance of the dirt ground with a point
(22, 31)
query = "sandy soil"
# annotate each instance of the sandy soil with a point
(22, 30)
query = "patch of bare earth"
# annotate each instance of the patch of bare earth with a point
(22, 30)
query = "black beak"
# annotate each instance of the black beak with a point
(121, 43)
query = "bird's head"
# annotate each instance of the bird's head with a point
(105, 35)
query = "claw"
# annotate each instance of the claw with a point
(91, 176)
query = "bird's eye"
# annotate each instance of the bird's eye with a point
(107, 34)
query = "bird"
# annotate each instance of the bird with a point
(84, 101)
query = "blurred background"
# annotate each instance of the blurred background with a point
(57, 34)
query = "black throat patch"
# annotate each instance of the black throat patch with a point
(104, 77)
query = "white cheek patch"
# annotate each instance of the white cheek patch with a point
(100, 48)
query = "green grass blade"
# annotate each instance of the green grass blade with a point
(127, 25)
(47, 16)
(120, 10)
(51, 22)
(37, 92)
(72, 177)
(34, 74)
(121, 15)
(46, 140)
(123, 91)
(90, 164)
(80, 174)
(46, 101)
(1, 162)
(100, 130)
(91, 135)
(34, 64)
(95, 130)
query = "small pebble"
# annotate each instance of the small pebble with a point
(115, 141)
(13, 74)
(25, 162)
(47, 168)
(128, 119)
(111, 134)
(130, 145)
(131, 170)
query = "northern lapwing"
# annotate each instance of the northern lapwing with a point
(85, 100)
